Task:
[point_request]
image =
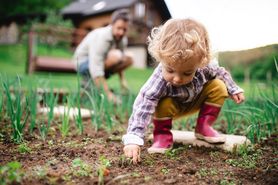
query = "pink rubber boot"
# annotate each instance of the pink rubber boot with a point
(207, 115)
(162, 136)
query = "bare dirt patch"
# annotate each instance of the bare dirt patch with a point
(52, 161)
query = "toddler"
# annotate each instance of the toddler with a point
(181, 84)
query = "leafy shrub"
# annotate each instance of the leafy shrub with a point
(262, 69)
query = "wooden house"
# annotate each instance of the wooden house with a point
(145, 14)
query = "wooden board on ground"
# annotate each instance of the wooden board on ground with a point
(72, 111)
(188, 138)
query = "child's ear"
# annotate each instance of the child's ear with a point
(203, 62)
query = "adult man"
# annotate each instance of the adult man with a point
(101, 53)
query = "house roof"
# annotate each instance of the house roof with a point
(93, 7)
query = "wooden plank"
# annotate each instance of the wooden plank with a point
(72, 112)
(188, 138)
(45, 63)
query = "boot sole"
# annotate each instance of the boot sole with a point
(211, 140)
(157, 150)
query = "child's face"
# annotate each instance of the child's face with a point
(181, 73)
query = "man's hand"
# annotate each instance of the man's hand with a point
(113, 98)
(101, 83)
(133, 151)
(238, 98)
(124, 85)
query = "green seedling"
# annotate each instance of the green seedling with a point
(80, 168)
(244, 149)
(124, 161)
(10, 173)
(102, 169)
(33, 109)
(149, 160)
(245, 161)
(173, 153)
(203, 172)
(16, 109)
(165, 170)
(1, 106)
(65, 126)
(23, 148)
(214, 155)
(78, 117)
(50, 101)
(227, 182)
(42, 129)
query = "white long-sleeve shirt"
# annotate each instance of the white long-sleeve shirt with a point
(95, 47)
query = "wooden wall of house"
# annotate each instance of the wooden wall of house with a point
(92, 23)
(140, 26)
(138, 31)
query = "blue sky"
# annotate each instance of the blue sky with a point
(232, 24)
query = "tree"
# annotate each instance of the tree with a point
(10, 8)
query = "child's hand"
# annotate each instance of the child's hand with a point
(238, 98)
(133, 151)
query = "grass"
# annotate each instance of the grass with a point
(13, 62)
(256, 118)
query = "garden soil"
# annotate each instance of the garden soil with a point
(51, 161)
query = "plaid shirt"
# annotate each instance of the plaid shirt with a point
(156, 88)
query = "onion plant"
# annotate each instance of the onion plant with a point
(49, 101)
(258, 116)
(33, 108)
(42, 126)
(78, 117)
(1, 106)
(65, 125)
(94, 103)
(17, 110)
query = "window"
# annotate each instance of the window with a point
(140, 10)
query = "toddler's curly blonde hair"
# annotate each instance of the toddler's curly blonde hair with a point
(178, 40)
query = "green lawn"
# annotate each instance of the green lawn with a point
(13, 60)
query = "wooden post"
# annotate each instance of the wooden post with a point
(30, 53)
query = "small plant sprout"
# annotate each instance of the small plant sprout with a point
(102, 169)
(80, 168)
(165, 170)
(173, 153)
(65, 126)
(124, 161)
(11, 173)
(51, 101)
(42, 129)
(23, 148)
(78, 117)
(248, 161)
